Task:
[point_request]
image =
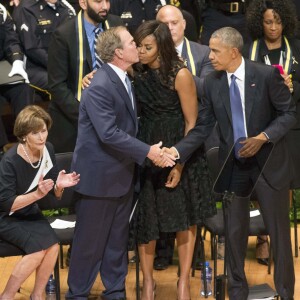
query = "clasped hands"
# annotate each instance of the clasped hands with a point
(162, 157)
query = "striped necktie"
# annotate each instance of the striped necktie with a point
(129, 89)
(98, 62)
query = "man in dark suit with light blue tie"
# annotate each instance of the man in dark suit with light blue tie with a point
(265, 114)
(106, 153)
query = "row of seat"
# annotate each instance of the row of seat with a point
(214, 225)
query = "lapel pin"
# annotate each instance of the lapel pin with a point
(252, 84)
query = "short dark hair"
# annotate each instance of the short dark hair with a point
(230, 37)
(166, 48)
(284, 8)
(31, 118)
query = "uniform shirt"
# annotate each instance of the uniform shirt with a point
(36, 20)
(10, 47)
(134, 12)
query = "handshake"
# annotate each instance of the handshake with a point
(162, 157)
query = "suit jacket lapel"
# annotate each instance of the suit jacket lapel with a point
(250, 89)
(185, 56)
(122, 91)
(224, 94)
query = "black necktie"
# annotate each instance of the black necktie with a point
(238, 122)
(98, 62)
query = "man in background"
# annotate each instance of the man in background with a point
(71, 56)
(36, 20)
(20, 94)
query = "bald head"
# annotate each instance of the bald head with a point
(172, 16)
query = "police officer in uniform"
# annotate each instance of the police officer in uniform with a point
(135, 12)
(216, 14)
(36, 20)
(18, 95)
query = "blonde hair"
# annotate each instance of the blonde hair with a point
(31, 118)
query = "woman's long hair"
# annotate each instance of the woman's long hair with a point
(165, 45)
(284, 8)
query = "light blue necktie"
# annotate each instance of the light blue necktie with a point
(129, 89)
(98, 62)
(238, 121)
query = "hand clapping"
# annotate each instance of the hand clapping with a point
(66, 180)
(44, 186)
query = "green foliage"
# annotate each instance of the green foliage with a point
(297, 195)
(56, 212)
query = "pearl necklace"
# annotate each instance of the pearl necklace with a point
(27, 156)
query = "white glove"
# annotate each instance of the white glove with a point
(18, 68)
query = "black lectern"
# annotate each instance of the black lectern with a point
(225, 191)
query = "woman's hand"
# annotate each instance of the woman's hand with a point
(66, 180)
(288, 81)
(174, 176)
(86, 80)
(44, 187)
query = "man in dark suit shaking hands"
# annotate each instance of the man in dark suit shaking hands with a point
(106, 152)
(251, 101)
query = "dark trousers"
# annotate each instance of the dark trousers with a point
(38, 76)
(274, 206)
(18, 96)
(100, 243)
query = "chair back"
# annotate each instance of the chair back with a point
(212, 156)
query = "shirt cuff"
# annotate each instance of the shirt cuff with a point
(266, 136)
(177, 153)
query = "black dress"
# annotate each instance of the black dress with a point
(26, 228)
(162, 209)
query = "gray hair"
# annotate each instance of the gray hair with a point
(230, 37)
(108, 41)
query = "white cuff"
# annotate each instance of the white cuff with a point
(177, 153)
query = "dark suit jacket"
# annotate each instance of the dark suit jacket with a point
(202, 63)
(63, 78)
(269, 108)
(106, 149)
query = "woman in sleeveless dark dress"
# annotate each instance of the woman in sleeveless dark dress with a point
(177, 199)
(28, 173)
